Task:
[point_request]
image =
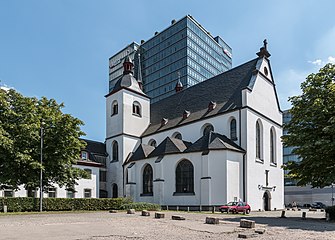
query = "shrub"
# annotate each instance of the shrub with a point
(331, 211)
(141, 206)
(26, 204)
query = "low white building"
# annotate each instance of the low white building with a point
(214, 142)
(92, 160)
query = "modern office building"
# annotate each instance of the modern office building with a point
(302, 195)
(116, 61)
(184, 51)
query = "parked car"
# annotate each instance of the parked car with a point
(235, 207)
(319, 205)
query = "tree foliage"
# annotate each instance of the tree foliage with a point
(20, 123)
(312, 130)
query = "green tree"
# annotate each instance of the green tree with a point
(312, 130)
(20, 122)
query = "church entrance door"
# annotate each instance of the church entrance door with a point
(267, 201)
(115, 191)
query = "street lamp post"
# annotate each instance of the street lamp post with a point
(332, 194)
(41, 171)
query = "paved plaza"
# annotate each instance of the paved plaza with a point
(105, 225)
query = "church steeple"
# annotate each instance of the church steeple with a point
(263, 51)
(139, 72)
(128, 66)
(179, 85)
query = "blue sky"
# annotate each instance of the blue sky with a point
(60, 48)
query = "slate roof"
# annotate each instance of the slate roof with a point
(96, 150)
(213, 141)
(168, 146)
(224, 89)
(141, 152)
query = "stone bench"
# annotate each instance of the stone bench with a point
(244, 223)
(212, 220)
(131, 211)
(159, 215)
(145, 213)
(177, 217)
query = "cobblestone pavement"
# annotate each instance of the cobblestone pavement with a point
(122, 226)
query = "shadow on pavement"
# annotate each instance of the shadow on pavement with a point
(309, 224)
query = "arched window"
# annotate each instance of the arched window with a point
(272, 147)
(177, 135)
(258, 140)
(207, 129)
(137, 109)
(147, 180)
(115, 107)
(115, 154)
(233, 133)
(152, 142)
(184, 177)
(114, 191)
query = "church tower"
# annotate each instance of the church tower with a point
(127, 117)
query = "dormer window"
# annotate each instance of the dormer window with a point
(164, 121)
(211, 105)
(84, 155)
(115, 107)
(137, 109)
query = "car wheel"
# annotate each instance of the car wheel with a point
(248, 211)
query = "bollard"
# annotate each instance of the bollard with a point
(167, 208)
(304, 215)
(177, 208)
(5, 208)
(188, 209)
(213, 209)
(283, 214)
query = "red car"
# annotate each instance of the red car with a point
(235, 207)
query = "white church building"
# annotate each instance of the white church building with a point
(214, 142)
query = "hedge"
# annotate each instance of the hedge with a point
(138, 206)
(27, 204)
(331, 211)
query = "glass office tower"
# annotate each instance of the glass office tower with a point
(186, 51)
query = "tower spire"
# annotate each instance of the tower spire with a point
(179, 85)
(128, 66)
(139, 72)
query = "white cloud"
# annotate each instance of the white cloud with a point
(319, 62)
(331, 59)
(316, 62)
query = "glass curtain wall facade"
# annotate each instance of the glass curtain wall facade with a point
(287, 151)
(183, 50)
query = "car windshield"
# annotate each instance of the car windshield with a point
(232, 204)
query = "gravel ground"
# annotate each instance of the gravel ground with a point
(104, 225)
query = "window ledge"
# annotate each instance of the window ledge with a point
(260, 160)
(273, 164)
(146, 194)
(183, 193)
(137, 115)
(113, 161)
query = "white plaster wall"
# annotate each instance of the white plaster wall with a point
(133, 124)
(192, 132)
(226, 173)
(262, 98)
(114, 123)
(256, 169)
